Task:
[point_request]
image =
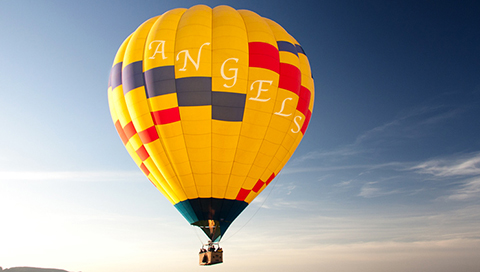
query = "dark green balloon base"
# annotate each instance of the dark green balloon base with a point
(199, 211)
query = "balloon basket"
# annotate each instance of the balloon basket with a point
(211, 255)
(210, 258)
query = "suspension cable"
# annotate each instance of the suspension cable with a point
(196, 233)
(273, 187)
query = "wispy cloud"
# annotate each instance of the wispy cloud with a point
(341, 166)
(277, 197)
(441, 117)
(469, 189)
(392, 256)
(343, 151)
(365, 167)
(463, 170)
(407, 126)
(363, 226)
(368, 190)
(71, 176)
(344, 183)
(410, 124)
(464, 165)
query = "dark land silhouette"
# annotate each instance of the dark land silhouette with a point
(31, 269)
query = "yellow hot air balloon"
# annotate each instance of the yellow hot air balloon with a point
(210, 104)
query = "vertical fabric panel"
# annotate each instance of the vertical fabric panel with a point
(260, 101)
(193, 72)
(270, 155)
(138, 108)
(229, 88)
(122, 120)
(159, 59)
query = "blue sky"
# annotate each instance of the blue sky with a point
(387, 176)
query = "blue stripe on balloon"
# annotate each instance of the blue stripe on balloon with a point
(228, 106)
(287, 47)
(160, 81)
(115, 76)
(194, 91)
(132, 76)
(300, 49)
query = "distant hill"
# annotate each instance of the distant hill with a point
(31, 269)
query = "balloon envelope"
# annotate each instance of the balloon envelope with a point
(210, 104)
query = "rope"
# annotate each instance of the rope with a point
(196, 233)
(273, 187)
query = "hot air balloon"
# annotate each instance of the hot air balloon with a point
(210, 104)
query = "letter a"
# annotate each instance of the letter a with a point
(160, 43)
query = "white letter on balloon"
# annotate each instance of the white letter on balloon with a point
(160, 43)
(235, 70)
(283, 107)
(296, 123)
(260, 90)
(187, 56)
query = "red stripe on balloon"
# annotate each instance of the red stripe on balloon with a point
(264, 55)
(120, 132)
(149, 135)
(142, 153)
(167, 116)
(270, 179)
(307, 121)
(144, 169)
(304, 100)
(290, 78)
(129, 130)
(258, 186)
(152, 183)
(242, 194)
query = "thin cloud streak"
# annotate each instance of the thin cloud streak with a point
(400, 166)
(355, 226)
(409, 124)
(463, 170)
(392, 256)
(345, 151)
(463, 165)
(72, 176)
(457, 174)
(369, 191)
(470, 189)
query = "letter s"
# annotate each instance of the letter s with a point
(296, 123)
